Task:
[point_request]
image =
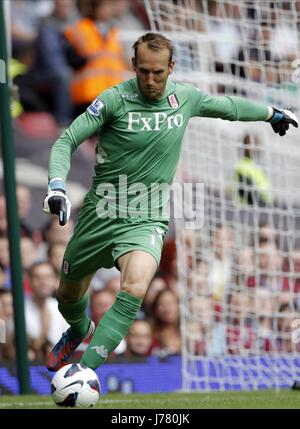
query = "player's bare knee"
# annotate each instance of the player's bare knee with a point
(137, 289)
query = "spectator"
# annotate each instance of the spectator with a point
(244, 266)
(28, 252)
(4, 253)
(29, 256)
(44, 323)
(4, 261)
(50, 74)
(206, 337)
(291, 282)
(240, 335)
(2, 278)
(166, 323)
(95, 39)
(20, 65)
(220, 262)
(270, 266)
(100, 301)
(285, 319)
(197, 280)
(24, 199)
(139, 339)
(25, 18)
(268, 234)
(7, 350)
(53, 233)
(157, 285)
(3, 219)
(265, 310)
(251, 185)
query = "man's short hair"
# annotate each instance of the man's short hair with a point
(155, 42)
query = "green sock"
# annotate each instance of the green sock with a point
(75, 314)
(112, 328)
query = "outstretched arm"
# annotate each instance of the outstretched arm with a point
(241, 109)
(232, 109)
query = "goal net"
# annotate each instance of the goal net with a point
(239, 272)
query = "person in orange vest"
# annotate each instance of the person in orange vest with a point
(95, 39)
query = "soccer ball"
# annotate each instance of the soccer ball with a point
(75, 385)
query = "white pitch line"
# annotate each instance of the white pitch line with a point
(103, 401)
(22, 404)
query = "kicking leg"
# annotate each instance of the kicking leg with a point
(137, 270)
(72, 304)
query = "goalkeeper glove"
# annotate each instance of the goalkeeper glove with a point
(56, 201)
(281, 120)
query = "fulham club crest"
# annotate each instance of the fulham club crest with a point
(66, 267)
(173, 101)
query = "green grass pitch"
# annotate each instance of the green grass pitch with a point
(266, 399)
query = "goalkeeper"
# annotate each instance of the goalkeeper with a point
(141, 123)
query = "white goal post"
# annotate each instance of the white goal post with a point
(239, 275)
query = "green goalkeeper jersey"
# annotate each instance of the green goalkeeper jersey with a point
(140, 140)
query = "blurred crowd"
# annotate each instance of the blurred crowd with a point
(242, 295)
(66, 52)
(247, 41)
